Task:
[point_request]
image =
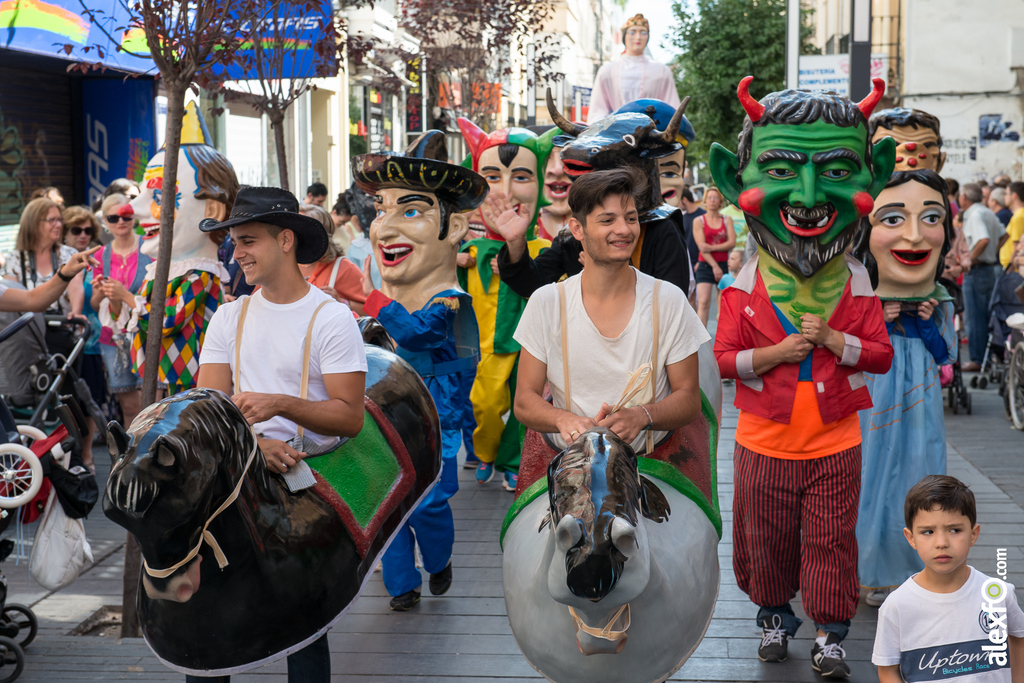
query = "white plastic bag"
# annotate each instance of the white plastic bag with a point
(60, 549)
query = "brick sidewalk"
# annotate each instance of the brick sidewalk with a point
(465, 635)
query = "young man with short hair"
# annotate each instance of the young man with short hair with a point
(949, 620)
(1015, 228)
(316, 194)
(982, 231)
(271, 239)
(609, 317)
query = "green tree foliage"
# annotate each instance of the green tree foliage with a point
(720, 42)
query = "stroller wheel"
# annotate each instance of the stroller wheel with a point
(982, 382)
(954, 403)
(12, 660)
(974, 382)
(24, 619)
(21, 476)
(968, 397)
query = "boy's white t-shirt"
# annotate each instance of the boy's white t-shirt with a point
(940, 636)
(600, 367)
(273, 340)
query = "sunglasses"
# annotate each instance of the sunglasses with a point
(76, 231)
(114, 218)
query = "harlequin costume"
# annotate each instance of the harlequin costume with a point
(193, 294)
(798, 440)
(440, 341)
(498, 310)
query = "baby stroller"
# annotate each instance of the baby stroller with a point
(1003, 303)
(1013, 391)
(951, 376)
(32, 378)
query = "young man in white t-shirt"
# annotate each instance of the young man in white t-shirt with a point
(271, 239)
(949, 620)
(609, 320)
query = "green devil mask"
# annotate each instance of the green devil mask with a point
(805, 172)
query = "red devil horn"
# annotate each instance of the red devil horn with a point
(868, 104)
(473, 134)
(754, 109)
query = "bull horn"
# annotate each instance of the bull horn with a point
(868, 104)
(754, 109)
(567, 126)
(670, 133)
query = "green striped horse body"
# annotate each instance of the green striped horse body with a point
(607, 553)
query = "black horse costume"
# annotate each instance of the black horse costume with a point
(239, 572)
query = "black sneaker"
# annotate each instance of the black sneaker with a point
(774, 641)
(441, 581)
(405, 601)
(830, 660)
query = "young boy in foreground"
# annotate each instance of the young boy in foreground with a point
(950, 620)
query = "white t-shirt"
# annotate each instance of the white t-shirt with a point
(600, 367)
(939, 636)
(272, 343)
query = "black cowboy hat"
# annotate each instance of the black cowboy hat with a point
(277, 207)
(423, 166)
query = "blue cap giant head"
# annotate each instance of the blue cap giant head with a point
(671, 168)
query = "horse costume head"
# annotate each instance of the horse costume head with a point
(597, 501)
(180, 459)
(630, 138)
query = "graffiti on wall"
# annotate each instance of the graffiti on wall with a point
(994, 128)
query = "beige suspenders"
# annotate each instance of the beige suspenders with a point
(306, 351)
(640, 378)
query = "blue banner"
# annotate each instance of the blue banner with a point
(57, 28)
(119, 131)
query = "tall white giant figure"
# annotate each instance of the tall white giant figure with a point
(634, 76)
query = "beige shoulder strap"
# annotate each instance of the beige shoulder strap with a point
(306, 352)
(565, 344)
(654, 360)
(238, 344)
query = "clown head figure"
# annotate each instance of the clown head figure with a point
(918, 141)
(671, 168)
(636, 32)
(207, 186)
(805, 172)
(423, 205)
(512, 161)
(906, 237)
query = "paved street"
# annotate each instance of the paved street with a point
(465, 636)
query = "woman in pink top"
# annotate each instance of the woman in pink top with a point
(115, 283)
(715, 238)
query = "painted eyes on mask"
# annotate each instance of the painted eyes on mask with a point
(893, 220)
(781, 173)
(932, 218)
(412, 213)
(380, 213)
(836, 173)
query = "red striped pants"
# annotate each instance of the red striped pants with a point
(793, 529)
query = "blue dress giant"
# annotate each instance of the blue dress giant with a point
(441, 342)
(904, 439)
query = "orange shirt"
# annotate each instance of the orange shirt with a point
(348, 284)
(805, 437)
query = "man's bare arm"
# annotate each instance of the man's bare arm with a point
(533, 411)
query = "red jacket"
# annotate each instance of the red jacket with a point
(747, 320)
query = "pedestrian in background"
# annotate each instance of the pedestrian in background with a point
(333, 273)
(81, 229)
(691, 210)
(997, 202)
(715, 238)
(114, 285)
(1015, 228)
(316, 194)
(953, 191)
(982, 230)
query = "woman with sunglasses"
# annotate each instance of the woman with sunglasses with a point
(81, 228)
(119, 277)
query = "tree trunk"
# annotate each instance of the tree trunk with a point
(277, 123)
(158, 298)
